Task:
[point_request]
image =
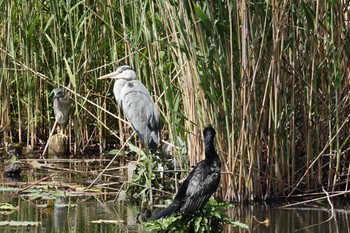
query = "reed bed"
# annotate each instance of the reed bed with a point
(271, 76)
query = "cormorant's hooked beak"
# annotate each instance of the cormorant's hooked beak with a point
(110, 75)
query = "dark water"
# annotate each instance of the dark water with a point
(86, 210)
(77, 213)
(73, 219)
(301, 219)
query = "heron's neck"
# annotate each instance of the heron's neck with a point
(117, 88)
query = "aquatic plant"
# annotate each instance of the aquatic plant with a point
(211, 218)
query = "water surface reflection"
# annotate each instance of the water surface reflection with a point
(78, 218)
(302, 220)
(77, 213)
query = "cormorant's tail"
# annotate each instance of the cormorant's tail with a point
(164, 213)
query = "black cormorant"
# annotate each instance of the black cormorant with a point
(199, 185)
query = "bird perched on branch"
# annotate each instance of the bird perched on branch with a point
(137, 105)
(199, 185)
(61, 107)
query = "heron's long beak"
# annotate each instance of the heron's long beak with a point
(110, 75)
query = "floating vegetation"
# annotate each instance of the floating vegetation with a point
(101, 221)
(19, 223)
(7, 207)
(9, 189)
(44, 194)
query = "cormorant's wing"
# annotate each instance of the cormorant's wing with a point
(203, 183)
(196, 190)
(178, 201)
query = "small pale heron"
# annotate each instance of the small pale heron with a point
(61, 107)
(199, 185)
(137, 105)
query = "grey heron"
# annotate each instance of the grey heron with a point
(61, 107)
(199, 185)
(137, 105)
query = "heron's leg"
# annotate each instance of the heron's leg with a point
(150, 176)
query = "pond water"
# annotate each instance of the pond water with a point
(96, 212)
(79, 217)
(122, 217)
(306, 219)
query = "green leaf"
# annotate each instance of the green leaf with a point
(197, 224)
(200, 221)
(13, 159)
(201, 14)
(49, 22)
(7, 206)
(59, 193)
(54, 47)
(136, 149)
(309, 14)
(239, 224)
(338, 77)
(345, 142)
(113, 152)
(70, 74)
(33, 196)
(33, 27)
